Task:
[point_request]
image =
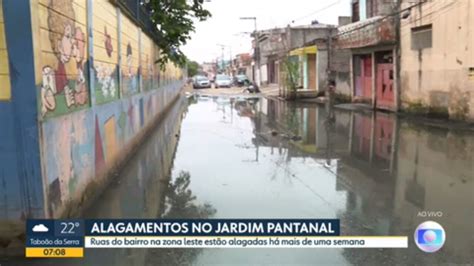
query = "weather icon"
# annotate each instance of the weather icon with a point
(40, 228)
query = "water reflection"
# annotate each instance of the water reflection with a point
(257, 158)
(181, 203)
(374, 171)
(391, 170)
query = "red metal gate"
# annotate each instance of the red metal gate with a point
(367, 76)
(363, 76)
(385, 91)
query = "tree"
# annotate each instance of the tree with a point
(193, 68)
(292, 76)
(175, 20)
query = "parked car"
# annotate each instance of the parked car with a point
(201, 82)
(223, 81)
(241, 80)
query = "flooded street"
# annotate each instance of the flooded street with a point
(256, 158)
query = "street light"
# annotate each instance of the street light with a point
(257, 49)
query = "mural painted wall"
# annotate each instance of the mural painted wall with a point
(62, 86)
(147, 62)
(87, 123)
(105, 51)
(5, 89)
(157, 70)
(130, 54)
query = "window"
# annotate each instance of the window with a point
(421, 37)
(355, 11)
(372, 8)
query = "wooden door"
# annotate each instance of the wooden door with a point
(312, 71)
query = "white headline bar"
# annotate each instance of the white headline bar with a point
(246, 242)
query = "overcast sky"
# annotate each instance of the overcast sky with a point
(225, 27)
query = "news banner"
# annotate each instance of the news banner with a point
(69, 238)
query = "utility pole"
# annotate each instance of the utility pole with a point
(305, 58)
(329, 43)
(231, 61)
(257, 48)
(222, 57)
(230, 56)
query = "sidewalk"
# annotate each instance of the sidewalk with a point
(409, 117)
(271, 92)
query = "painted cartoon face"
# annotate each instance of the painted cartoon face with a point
(79, 46)
(66, 44)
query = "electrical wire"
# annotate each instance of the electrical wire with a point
(317, 11)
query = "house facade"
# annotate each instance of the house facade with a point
(437, 58)
(79, 90)
(276, 44)
(371, 39)
(243, 65)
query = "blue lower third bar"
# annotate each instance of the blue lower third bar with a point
(214, 227)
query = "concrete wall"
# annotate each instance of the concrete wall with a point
(437, 78)
(84, 92)
(21, 191)
(144, 189)
(341, 71)
(85, 135)
(275, 44)
(322, 66)
(300, 36)
(264, 71)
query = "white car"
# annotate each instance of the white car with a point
(223, 81)
(201, 82)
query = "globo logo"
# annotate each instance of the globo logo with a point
(430, 236)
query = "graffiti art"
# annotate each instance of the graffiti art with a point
(64, 87)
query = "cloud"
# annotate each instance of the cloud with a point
(40, 228)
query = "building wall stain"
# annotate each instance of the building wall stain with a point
(459, 106)
(435, 80)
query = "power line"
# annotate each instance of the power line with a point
(317, 11)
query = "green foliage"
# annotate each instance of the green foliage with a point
(193, 68)
(292, 75)
(175, 21)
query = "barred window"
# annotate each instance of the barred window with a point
(421, 37)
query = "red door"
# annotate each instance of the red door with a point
(363, 76)
(367, 78)
(358, 70)
(385, 91)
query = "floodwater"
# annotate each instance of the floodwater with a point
(223, 157)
